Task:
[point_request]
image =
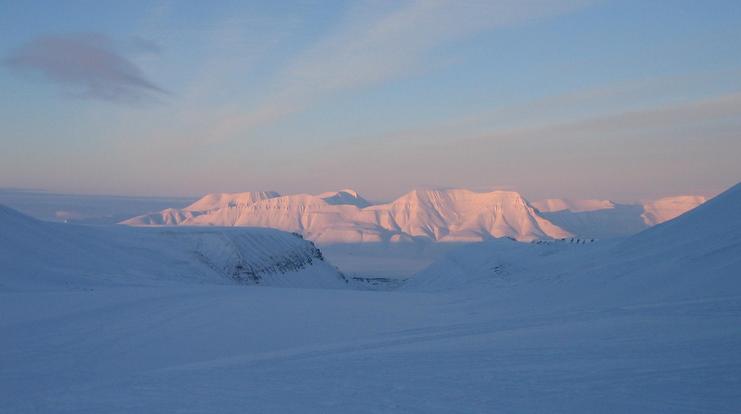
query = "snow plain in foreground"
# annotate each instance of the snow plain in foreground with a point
(647, 324)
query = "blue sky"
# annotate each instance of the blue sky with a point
(574, 98)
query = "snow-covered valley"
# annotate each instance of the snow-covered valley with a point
(119, 319)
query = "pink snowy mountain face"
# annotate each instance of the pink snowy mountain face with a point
(603, 219)
(654, 211)
(665, 209)
(552, 205)
(344, 217)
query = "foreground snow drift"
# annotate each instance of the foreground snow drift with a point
(36, 254)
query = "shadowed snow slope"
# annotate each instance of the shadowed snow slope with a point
(648, 324)
(605, 219)
(218, 200)
(616, 221)
(663, 209)
(559, 204)
(345, 196)
(695, 255)
(345, 217)
(36, 254)
(645, 325)
(710, 231)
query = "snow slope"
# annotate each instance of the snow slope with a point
(551, 205)
(695, 254)
(644, 325)
(663, 209)
(617, 221)
(344, 217)
(84, 209)
(648, 324)
(606, 219)
(218, 200)
(36, 254)
(463, 215)
(346, 196)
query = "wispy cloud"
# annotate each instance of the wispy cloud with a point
(145, 45)
(598, 110)
(372, 46)
(86, 65)
(628, 152)
(639, 122)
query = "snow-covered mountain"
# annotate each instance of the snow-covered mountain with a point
(345, 217)
(695, 254)
(606, 219)
(36, 254)
(551, 205)
(464, 215)
(218, 200)
(644, 324)
(346, 196)
(664, 209)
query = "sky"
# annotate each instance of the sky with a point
(624, 100)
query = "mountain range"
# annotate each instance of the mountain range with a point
(123, 319)
(345, 217)
(697, 254)
(443, 215)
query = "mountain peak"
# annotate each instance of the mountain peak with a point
(217, 200)
(666, 208)
(344, 216)
(350, 191)
(344, 196)
(552, 205)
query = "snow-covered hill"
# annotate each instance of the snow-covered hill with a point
(218, 200)
(346, 196)
(694, 255)
(345, 217)
(616, 221)
(606, 219)
(649, 324)
(551, 205)
(664, 209)
(37, 254)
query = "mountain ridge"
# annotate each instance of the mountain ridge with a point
(697, 253)
(344, 216)
(604, 219)
(36, 254)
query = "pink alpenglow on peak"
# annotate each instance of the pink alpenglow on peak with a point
(455, 215)
(664, 209)
(346, 196)
(218, 200)
(552, 205)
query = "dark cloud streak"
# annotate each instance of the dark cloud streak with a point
(141, 44)
(88, 65)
